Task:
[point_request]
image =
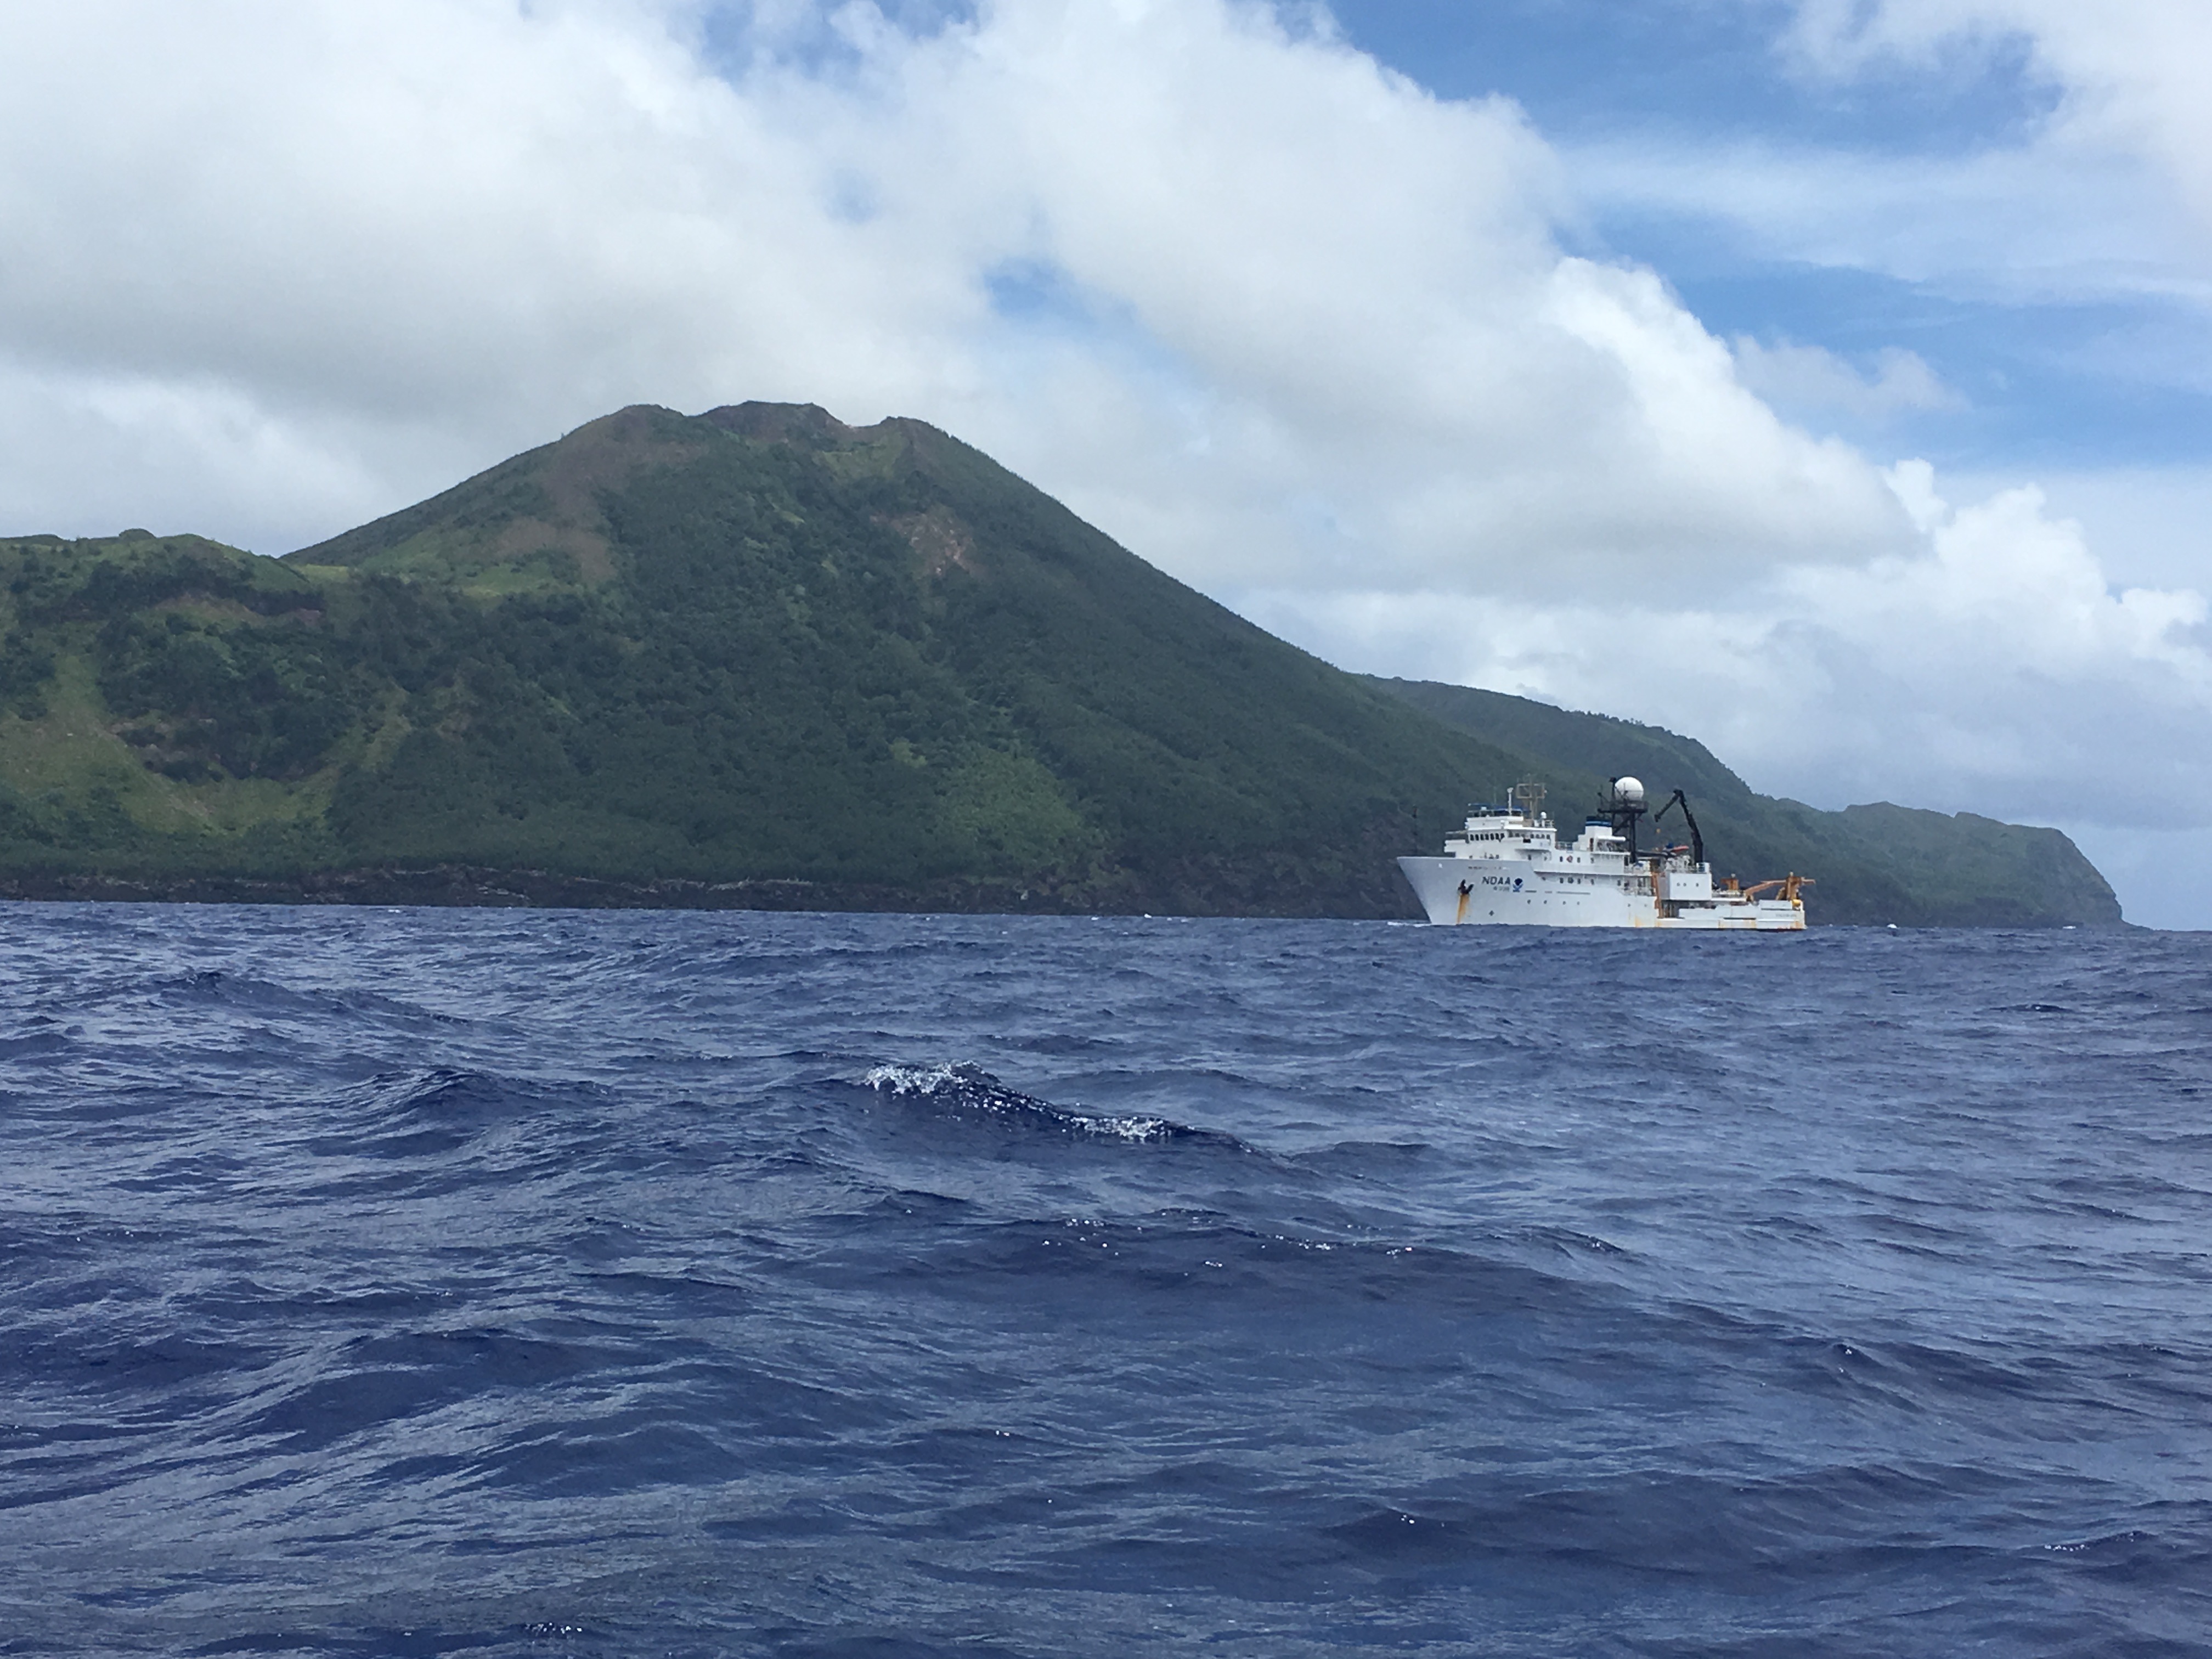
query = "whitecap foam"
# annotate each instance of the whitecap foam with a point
(970, 1088)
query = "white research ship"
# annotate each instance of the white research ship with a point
(1506, 867)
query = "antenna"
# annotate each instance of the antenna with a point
(1624, 804)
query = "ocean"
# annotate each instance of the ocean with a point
(526, 1283)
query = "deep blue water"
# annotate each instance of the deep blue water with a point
(525, 1283)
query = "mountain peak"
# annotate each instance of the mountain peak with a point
(804, 424)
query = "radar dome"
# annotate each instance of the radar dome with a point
(1628, 792)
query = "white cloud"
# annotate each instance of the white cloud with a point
(1810, 379)
(2037, 223)
(1994, 669)
(1278, 318)
(220, 458)
(496, 221)
(2136, 75)
(2108, 199)
(2152, 526)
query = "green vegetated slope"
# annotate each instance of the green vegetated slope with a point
(1872, 864)
(755, 647)
(751, 657)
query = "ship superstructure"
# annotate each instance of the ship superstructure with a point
(1507, 865)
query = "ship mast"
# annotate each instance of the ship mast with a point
(1624, 804)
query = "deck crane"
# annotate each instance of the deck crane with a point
(1697, 841)
(1788, 885)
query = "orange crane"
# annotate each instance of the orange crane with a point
(1788, 885)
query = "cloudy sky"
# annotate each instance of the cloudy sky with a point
(1831, 379)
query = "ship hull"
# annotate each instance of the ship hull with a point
(1474, 892)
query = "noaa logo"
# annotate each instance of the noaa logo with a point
(1500, 881)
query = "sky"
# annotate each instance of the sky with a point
(1829, 380)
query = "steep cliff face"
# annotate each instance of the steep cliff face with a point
(755, 656)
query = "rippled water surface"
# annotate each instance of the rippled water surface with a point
(525, 1282)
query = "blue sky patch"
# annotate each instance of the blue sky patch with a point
(2111, 376)
(1588, 69)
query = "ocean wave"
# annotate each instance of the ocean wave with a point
(247, 992)
(440, 1110)
(1293, 1288)
(963, 1090)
